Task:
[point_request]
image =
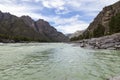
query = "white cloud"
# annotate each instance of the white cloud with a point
(62, 10)
(18, 9)
(70, 25)
(66, 25)
(76, 5)
(62, 21)
(58, 5)
(53, 3)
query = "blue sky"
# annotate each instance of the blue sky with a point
(66, 16)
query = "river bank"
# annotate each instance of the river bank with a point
(111, 42)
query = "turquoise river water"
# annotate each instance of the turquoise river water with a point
(56, 61)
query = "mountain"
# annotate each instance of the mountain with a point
(75, 36)
(107, 22)
(13, 28)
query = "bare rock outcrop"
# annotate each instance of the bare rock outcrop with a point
(107, 22)
(104, 17)
(106, 42)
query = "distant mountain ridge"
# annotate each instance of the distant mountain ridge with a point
(26, 29)
(75, 34)
(107, 22)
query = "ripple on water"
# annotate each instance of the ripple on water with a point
(56, 61)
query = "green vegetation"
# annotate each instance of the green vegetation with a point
(17, 31)
(86, 35)
(15, 38)
(74, 38)
(114, 27)
(99, 31)
(80, 37)
(114, 24)
(19, 38)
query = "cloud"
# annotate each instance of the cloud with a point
(70, 25)
(58, 5)
(60, 15)
(17, 8)
(53, 3)
(76, 5)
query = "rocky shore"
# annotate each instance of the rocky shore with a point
(114, 78)
(107, 42)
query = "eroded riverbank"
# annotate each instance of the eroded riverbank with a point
(106, 42)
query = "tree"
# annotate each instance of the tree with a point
(99, 31)
(74, 39)
(114, 24)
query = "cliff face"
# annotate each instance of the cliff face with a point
(103, 19)
(105, 16)
(25, 28)
(106, 23)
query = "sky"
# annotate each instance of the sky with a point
(66, 16)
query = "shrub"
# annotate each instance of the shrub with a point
(86, 35)
(114, 24)
(74, 39)
(99, 31)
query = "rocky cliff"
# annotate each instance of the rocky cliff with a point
(101, 24)
(107, 22)
(13, 28)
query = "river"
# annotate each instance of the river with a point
(56, 61)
